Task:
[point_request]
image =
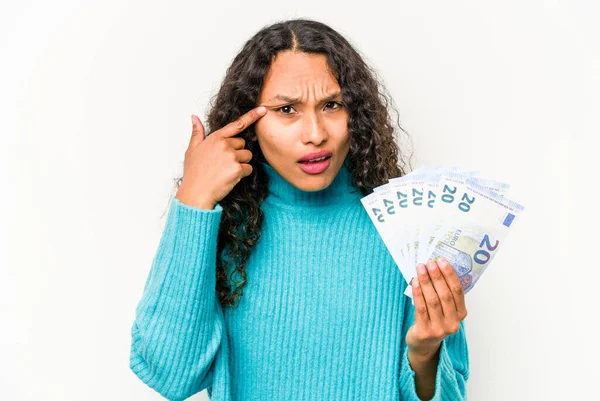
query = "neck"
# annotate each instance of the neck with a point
(341, 190)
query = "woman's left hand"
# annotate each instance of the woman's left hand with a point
(439, 307)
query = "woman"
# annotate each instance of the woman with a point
(270, 282)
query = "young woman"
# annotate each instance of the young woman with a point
(270, 282)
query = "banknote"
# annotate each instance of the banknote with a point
(447, 186)
(470, 238)
(443, 212)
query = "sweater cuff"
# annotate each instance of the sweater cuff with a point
(448, 385)
(176, 203)
(194, 228)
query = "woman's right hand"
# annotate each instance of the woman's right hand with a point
(215, 164)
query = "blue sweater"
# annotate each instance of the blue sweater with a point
(323, 315)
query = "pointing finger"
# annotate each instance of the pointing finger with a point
(237, 126)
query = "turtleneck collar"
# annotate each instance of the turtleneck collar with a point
(340, 191)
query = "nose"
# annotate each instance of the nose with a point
(313, 129)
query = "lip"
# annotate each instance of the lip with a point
(315, 167)
(316, 155)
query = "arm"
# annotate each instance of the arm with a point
(179, 325)
(434, 364)
(425, 368)
(446, 374)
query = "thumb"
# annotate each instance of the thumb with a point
(197, 131)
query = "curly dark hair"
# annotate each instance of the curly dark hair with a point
(374, 152)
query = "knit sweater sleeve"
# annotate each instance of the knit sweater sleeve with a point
(452, 369)
(179, 325)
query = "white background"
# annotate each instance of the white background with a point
(95, 104)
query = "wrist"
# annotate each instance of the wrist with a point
(422, 356)
(201, 203)
(421, 363)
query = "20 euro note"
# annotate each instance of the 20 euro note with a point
(472, 234)
(390, 206)
(396, 210)
(381, 217)
(403, 202)
(449, 192)
(422, 190)
(430, 217)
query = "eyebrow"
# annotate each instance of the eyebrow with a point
(289, 99)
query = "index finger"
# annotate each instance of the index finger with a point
(237, 126)
(455, 285)
(421, 314)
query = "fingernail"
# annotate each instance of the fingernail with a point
(431, 266)
(261, 109)
(192, 117)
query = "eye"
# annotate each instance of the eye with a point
(284, 107)
(337, 103)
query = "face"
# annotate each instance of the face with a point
(305, 114)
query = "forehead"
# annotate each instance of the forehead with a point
(291, 73)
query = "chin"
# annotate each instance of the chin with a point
(311, 183)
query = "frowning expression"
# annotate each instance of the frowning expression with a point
(305, 114)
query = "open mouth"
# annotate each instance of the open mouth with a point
(316, 166)
(313, 161)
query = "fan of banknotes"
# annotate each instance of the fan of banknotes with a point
(443, 212)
